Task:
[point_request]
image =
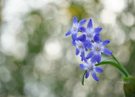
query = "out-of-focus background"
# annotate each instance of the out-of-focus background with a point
(36, 60)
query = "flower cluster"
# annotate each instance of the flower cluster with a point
(89, 46)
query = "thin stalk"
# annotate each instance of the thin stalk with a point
(115, 59)
(83, 77)
(121, 66)
(115, 65)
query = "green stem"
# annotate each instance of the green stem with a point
(115, 59)
(83, 77)
(116, 64)
(123, 72)
(121, 66)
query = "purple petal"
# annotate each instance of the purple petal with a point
(74, 37)
(77, 51)
(75, 20)
(83, 67)
(107, 51)
(90, 55)
(82, 29)
(68, 33)
(82, 56)
(90, 25)
(96, 58)
(85, 60)
(87, 44)
(99, 69)
(97, 38)
(82, 21)
(73, 42)
(98, 30)
(106, 42)
(94, 76)
(82, 37)
(87, 74)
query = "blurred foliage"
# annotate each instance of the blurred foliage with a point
(0, 11)
(76, 9)
(38, 36)
(129, 87)
(131, 63)
(129, 10)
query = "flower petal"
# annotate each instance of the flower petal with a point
(74, 37)
(97, 38)
(87, 74)
(106, 42)
(99, 69)
(90, 55)
(82, 29)
(75, 20)
(96, 58)
(82, 55)
(73, 42)
(81, 37)
(94, 76)
(98, 30)
(77, 51)
(68, 33)
(90, 25)
(83, 67)
(87, 44)
(107, 51)
(82, 21)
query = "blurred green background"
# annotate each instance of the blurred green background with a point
(37, 60)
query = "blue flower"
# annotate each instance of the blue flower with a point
(97, 49)
(88, 42)
(80, 49)
(76, 27)
(90, 68)
(90, 31)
